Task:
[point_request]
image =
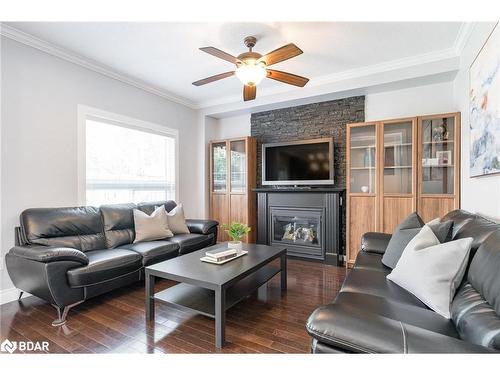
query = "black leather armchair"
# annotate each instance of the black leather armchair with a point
(68, 255)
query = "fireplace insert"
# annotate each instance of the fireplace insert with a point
(300, 229)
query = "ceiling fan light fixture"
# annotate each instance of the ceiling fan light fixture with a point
(251, 73)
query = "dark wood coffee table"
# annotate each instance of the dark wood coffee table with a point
(211, 289)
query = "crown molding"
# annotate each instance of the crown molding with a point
(42, 45)
(463, 36)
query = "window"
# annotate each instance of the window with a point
(126, 163)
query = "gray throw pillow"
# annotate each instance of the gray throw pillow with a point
(402, 235)
(442, 230)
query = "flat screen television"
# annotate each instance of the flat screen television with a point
(307, 162)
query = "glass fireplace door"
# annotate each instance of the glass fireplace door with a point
(300, 230)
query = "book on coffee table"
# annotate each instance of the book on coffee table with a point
(221, 253)
(212, 260)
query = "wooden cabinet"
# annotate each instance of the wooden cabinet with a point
(232, 180)
(439, 165)
(362, 183)
(395, 167)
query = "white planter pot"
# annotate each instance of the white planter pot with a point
(235, 245)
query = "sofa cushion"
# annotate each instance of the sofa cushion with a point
(74, 227)
(414, 315)
(192, 242)
(361, 331)
(476, 321)
(484, 271)
(104, 265)
(479, 229)
(118, 220)
(375, 283)
(154, 251)
(402, 235)
(459, 218)
(370, 261)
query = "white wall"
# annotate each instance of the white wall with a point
(479, 194)
(231, 127)
(40, 95)
(413, 101)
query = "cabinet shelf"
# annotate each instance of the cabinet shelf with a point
(439, 166)
(362, 147)
(398, 166)
(438, 142)
(398, 144)
(361, 168)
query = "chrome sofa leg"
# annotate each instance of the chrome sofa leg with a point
(62, 313)
(20, 295)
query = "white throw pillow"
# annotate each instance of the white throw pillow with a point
(432, 271)
(176, 220)
(151, 227)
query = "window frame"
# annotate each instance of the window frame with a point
(90, 113)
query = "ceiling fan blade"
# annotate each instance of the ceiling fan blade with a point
(216, 77)
(285, 77)
(281, 54)
(249, 92)
(220, 54)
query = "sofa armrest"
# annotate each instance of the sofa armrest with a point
(201, 226)
(375, 242)
(49, 254)
(364, 332)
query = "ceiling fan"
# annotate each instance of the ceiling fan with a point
(252, 67)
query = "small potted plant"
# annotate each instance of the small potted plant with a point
(236, 231)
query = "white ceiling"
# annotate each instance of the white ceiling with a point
(166, 55)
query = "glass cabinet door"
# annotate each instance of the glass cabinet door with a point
(362, 159)
(238, 163)
(219, 167)
(438, 150)
(397, 158)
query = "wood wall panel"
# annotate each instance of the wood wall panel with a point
(395, 209)
(362, 219)
(432, 207)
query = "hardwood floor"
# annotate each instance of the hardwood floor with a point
(115, 323)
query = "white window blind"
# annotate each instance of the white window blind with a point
(125, 164)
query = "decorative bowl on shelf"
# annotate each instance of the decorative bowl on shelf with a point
(365, 189)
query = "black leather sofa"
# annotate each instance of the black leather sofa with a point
(374, 315)
(68, 255)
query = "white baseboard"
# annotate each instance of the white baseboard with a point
(11, 294)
